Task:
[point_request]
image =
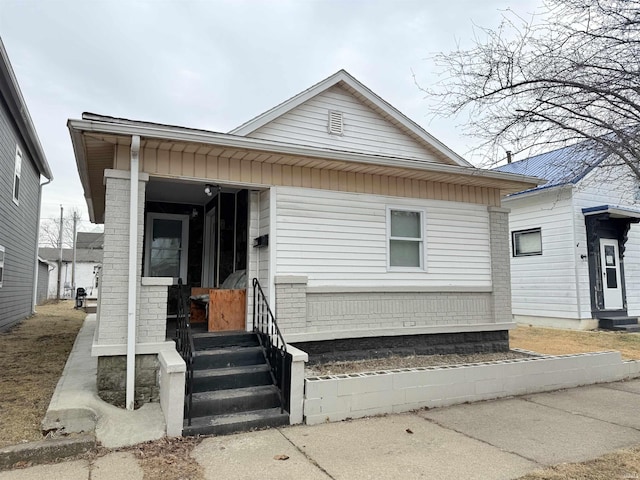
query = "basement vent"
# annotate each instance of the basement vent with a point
(335, 123)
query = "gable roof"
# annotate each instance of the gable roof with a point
(12, 95)
(52, 255)
(366, 96)
(89, 240)
(563, 166)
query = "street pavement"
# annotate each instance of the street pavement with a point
(494, 440)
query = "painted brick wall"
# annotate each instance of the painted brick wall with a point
(291, 305)
(112, 313)
(346, 311)
(500, 264)
(152, 313)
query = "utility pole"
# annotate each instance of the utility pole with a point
(60, 256)
(73, 265)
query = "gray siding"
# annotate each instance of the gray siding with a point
(18, 225)
(43, 283)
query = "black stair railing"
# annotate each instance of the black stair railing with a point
(272, 341)
(185, 345)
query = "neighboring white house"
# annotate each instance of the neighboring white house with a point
(88, 266)
(357, 223)
(575, 244)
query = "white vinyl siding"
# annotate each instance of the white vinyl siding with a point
(364, 130)
(340, 239)
(544, 285)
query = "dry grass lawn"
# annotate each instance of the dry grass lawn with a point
(558, 342)
(32, 356)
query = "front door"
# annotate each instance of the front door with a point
(611, 281)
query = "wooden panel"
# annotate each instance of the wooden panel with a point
(227, 310)
(197, 311)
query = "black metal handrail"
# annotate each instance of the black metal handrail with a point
(271, 340)
(185, 345)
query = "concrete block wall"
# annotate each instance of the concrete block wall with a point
(338, 397)
(500, 264)
(112, 312)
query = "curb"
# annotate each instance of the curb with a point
(44, 451)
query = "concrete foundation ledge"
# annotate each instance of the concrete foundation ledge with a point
(331, 398)
(45, 451)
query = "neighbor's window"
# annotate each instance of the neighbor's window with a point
(405, 229)
(1, 264)
(527, 242)
(16, 176)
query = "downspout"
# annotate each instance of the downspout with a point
(35, 268)
(576, 258)
(133, 257)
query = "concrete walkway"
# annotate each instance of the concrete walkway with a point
(501, 439)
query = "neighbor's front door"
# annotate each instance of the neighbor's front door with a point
(611, 281)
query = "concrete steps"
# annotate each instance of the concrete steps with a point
(233, 387)
(620, 324)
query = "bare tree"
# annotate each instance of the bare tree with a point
(570, 72)
(50, 230)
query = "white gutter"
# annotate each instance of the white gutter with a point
(35, 268)
(225, 140)
(133, 256)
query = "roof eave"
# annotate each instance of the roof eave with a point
(22, 116)
(506, 182)
(77, 140)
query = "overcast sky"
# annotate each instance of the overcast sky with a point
(215, 64)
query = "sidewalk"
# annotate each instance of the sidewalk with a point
(500, 439)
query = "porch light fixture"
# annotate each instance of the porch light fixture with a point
(208, 189)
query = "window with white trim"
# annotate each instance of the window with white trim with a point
(405, 232)
(527, 242)
(1, 264)
(167, 243)
(16, 176)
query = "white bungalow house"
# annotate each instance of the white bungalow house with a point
(575, 242)
(364, 232)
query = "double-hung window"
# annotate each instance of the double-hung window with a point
(16, 176)
(167, 243)
(405, 232)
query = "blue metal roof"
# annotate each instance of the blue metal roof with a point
(564, 166)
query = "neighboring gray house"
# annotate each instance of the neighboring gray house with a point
(22, 164)
(575, 241)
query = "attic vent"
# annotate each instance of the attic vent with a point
(335, 123)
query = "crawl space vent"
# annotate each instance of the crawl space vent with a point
(335, 123)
